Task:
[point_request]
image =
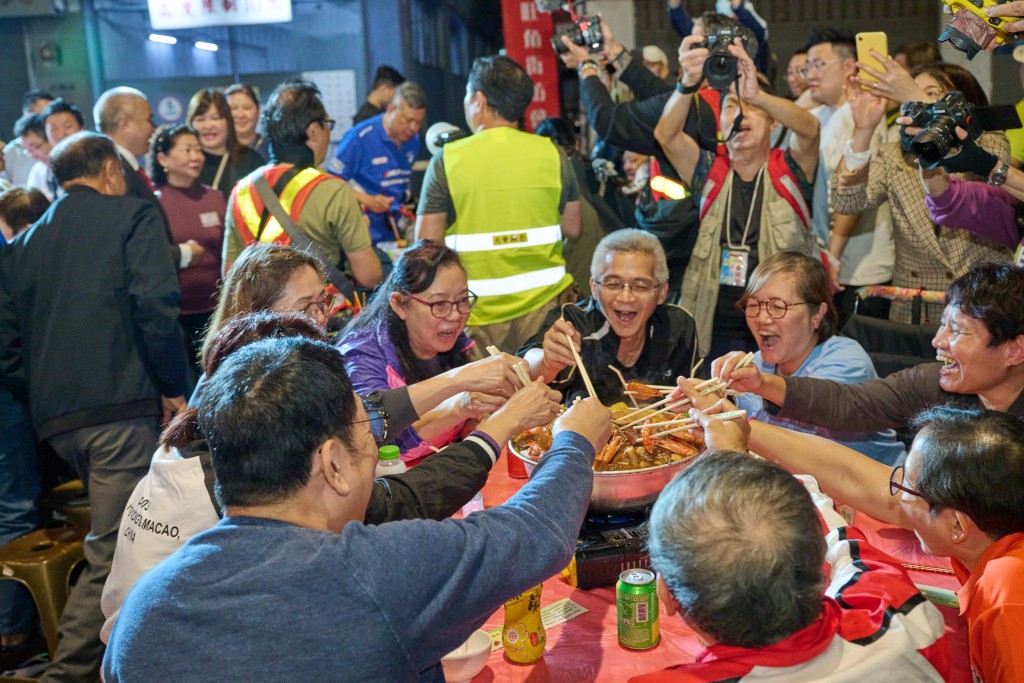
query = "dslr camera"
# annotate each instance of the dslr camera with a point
(971, 31)
(584, 31)
(938, 122)
(721, 68)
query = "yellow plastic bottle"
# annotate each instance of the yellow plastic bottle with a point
(523, 635)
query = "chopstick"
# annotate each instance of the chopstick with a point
(679, 403)
(731, 415)
(579, 364)
(622, 380)
(518, 367)
(633, 414)
(714, 384)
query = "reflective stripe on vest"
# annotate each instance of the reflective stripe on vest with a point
(517, 283)
(248, 208)
(509, 239)
(505, 186)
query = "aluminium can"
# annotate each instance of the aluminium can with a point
(636, 601)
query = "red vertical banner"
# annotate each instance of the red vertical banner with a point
(528, 41)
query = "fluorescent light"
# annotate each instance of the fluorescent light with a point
(201, 45)
(167, 40)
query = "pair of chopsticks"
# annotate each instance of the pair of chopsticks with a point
(579, 364)
(691, 422)
(518, 367)
(673, 404)
(714, 384)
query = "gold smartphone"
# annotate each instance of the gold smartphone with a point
(866, 42)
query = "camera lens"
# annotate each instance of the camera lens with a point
(933, 143)
(720, 71)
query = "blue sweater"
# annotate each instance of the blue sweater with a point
(260, 600)
(843, 360)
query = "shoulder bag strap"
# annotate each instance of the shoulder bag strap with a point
(299, 238)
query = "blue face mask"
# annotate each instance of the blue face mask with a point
(724, 7)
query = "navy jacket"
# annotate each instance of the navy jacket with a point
(89, 313)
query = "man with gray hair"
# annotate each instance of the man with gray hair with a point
(375, 157)
(89, 327)
(738, 547)
(625, 331)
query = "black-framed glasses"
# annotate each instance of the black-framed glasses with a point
(377, 418)
(776, 307)
(896, 483)
(324, 305)
(639, 287)
(442, 309)
(329, 123)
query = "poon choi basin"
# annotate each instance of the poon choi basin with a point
(617, 491)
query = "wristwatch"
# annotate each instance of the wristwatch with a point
(998, 174)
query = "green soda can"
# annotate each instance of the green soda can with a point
(636, 601)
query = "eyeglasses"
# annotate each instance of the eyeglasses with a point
(377, 418)
(637, 287)
(323, 305)
(442, 309)
(896, 483)
(329, 123)
(817, 66)
(777, 308)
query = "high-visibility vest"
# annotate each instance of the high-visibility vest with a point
(505, 186)
(247, 207)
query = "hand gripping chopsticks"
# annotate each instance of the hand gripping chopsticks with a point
(520, 373)
(731, 415)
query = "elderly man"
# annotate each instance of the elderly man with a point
(754, 200)
(89, 324)
(124, 115)
(294, 475)
(327, 220)
(625, 330)
(503, 199)
(737, 544)
(375, 157)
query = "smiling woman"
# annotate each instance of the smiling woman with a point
(411, 330)
(790, 313)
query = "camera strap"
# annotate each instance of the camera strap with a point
(739, 115)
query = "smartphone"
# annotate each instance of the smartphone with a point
(866, 42)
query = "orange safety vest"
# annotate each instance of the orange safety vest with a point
(248, 209)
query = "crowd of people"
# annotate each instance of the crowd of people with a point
(216, 324)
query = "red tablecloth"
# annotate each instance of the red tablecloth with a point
(586, 648)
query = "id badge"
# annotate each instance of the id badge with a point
(735, 263)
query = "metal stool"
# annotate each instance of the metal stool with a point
(42, 561)
(67, 503)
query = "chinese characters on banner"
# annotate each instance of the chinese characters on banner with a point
(528, 41)
(174, 14)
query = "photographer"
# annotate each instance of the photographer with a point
(630, 125)
(928, 256)
(992, 210)
(744, 13)
(754, 200)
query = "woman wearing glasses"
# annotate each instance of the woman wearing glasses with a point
(791, 315)
(411, 330)
(625, 329)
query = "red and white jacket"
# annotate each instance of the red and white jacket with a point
(874, 626)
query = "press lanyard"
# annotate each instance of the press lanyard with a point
(750, 211)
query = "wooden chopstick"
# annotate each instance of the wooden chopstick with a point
(520, 372)
(627, 416)
(679, 403)
(622, 380)
(579, 364)
(731, 415)
(714, 384)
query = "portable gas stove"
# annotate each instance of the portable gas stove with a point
(608, 545)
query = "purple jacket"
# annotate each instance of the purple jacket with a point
(987, 211)
(371, 361)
